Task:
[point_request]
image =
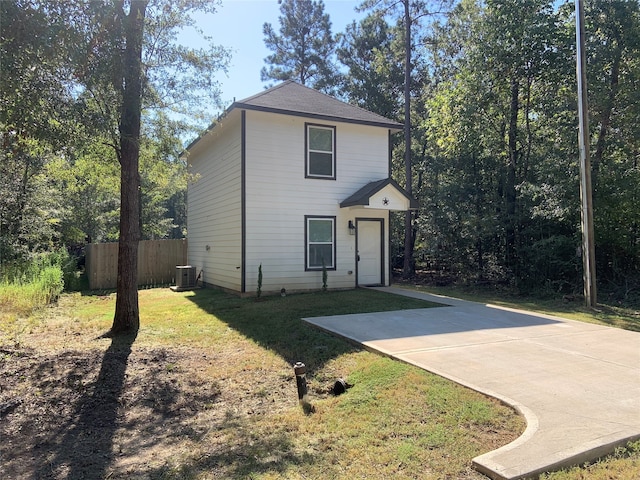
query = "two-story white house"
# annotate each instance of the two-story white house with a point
(296, 181)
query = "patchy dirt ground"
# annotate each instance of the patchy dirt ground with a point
(119, 412)
(74, 405)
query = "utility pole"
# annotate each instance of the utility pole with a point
(586, 197)
(407, 267)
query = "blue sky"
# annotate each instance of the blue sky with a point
(237, 25)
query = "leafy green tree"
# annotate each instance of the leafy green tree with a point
(34, 104)
(163, 192)
(493, 138)
(88, 188)
(489, 133)
(148, 74)
(115, 67)
(613, 70)
(26, 225)
(303, 49)
(411, 11)
(502, 183)
(127, 314)
(516, 36)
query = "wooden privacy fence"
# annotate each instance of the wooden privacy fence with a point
(157, 261)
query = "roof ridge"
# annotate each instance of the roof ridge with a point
(330, 98)
(265, 91)
(292, 98)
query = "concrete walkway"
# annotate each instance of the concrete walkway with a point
(577, 384)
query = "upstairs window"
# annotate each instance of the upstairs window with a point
(320, 242)
(321, 152)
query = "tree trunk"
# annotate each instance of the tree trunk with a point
(510, 187)
(478, 206)
(127, 314)
(605, 117)
(407, 267)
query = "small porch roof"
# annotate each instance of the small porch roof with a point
(383, 194)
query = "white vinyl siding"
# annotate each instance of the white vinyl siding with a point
(279, 198)
(214, 206)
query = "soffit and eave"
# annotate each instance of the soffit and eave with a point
(291, 98)
(385, 194)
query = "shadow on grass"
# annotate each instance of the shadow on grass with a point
(243, 458)
(85, 450)
(623, 315)
(83, 411)
(275, 322)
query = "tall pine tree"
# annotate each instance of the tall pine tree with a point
(304, 48)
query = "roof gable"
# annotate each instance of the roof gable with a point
(383, 194)
(291, 98)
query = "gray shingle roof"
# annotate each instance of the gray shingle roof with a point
(362, 196)
(291, 98)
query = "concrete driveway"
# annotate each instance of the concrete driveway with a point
(577, 384)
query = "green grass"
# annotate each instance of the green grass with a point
(615, 315)
(396, 417)
(23, 295)
(272, 322)
(624, 464)
(28, 286)
(397, 421)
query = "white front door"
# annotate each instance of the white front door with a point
(370, 251)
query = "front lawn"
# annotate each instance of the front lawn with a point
(207, 390)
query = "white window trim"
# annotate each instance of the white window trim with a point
(307, 243)
(308, 150)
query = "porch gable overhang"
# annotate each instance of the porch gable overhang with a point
(383, 194)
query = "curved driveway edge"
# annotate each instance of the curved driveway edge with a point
(577, 384)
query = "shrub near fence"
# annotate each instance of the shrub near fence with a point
(157, 261)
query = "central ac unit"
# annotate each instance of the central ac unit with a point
(185, 276)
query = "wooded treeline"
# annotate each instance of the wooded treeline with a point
(494, 151)
(62, 97)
